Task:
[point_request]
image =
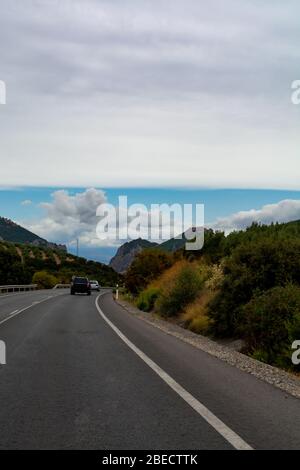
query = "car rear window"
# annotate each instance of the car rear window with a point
(80, 280)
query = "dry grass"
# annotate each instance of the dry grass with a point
(216, 277)
(195, 316)
(168, 277)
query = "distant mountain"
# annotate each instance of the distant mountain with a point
(12, 232)
(179, 242)
(173, 244)
(126, 253)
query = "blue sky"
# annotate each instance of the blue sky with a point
(218, 202)
(27, 206)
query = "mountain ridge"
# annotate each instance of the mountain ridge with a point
(127, 251)
(10, 231)
(125, 254)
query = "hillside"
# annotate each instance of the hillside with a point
(12, 232)
(19, 262)
(126, 253)
(173, 244)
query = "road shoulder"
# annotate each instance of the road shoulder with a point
(272, 375)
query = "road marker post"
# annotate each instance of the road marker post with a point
(2, 353)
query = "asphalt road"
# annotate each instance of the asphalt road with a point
(78, 377)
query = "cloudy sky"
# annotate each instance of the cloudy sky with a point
(150, 93)
(193, 96)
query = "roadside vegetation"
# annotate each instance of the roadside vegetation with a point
(243, 286)
(25, 264)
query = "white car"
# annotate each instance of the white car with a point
(95, 285)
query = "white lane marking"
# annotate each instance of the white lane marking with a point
(4, 296)
(17, 312)
(228, 434)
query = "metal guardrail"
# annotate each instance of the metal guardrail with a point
(28, 287)
(17, 288)
(62, 286)
(66, 286)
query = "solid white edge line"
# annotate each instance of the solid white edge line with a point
(228, 434)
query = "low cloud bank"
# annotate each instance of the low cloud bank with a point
(283, 211)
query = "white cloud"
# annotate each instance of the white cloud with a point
(74, 216)
(80, 206)
(70, 216)
(141, 93)
(26, 202)
(283, 211)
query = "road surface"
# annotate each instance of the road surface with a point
(82, 373)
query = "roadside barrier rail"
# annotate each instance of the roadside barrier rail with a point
(17, 288)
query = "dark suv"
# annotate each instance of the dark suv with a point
(80, 285)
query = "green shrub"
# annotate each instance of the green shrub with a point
(146, 266)
(253, 267)
(44, 280)
(272, 323)
(260, 355)
(183, 291)
(147, 298)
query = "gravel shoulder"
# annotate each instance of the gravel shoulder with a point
(272, 375)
